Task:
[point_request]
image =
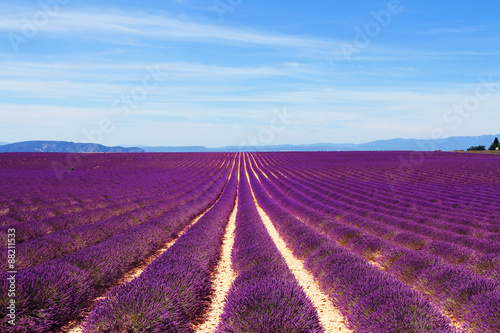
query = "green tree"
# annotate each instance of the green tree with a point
(494, 145)
(476, 148)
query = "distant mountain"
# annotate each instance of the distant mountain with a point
(173, 149)
(308, 147)
(446, 144)
(63, 147)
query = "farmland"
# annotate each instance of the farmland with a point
(250, 242)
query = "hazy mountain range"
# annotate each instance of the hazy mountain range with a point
(446, 144)
(63, 147)
(452, 143)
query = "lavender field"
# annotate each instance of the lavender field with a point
(204, 242)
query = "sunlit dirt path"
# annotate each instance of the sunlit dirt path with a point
(77, 325)
(224, 278)
(330, 317)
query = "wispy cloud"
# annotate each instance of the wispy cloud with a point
(100, 83)
(98, 25)
(82, 70)
(147, 30)
(450, 30)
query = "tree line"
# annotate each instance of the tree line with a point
(494, 146)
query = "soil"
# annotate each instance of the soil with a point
(224, 278)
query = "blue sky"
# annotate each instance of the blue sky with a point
(230, 72)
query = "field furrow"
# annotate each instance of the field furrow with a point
(250, 242)
(457, 292)
(172, 292)
(76, 326)
(57, 245)
(359, 290)
(265, 295)
(222, 281)
(71, 283)
(330, 317)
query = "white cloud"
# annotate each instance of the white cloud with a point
(459, 29)
(449, 30)
(104, 25)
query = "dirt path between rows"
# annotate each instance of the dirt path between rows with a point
(77, 325)
(455, 323)
(224, 278)
(329, 316)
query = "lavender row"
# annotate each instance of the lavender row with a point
(411, 234)
(412, 208)
(56, 291)
(265, 297)
(37, 211)
(80, 188)
(365, 181)
(175, 287)
(55, 245)
(371, 300)
(361, 180)
(302, 208)
(453, 289)
(455, 249)
(36, 228)
(347, 197)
